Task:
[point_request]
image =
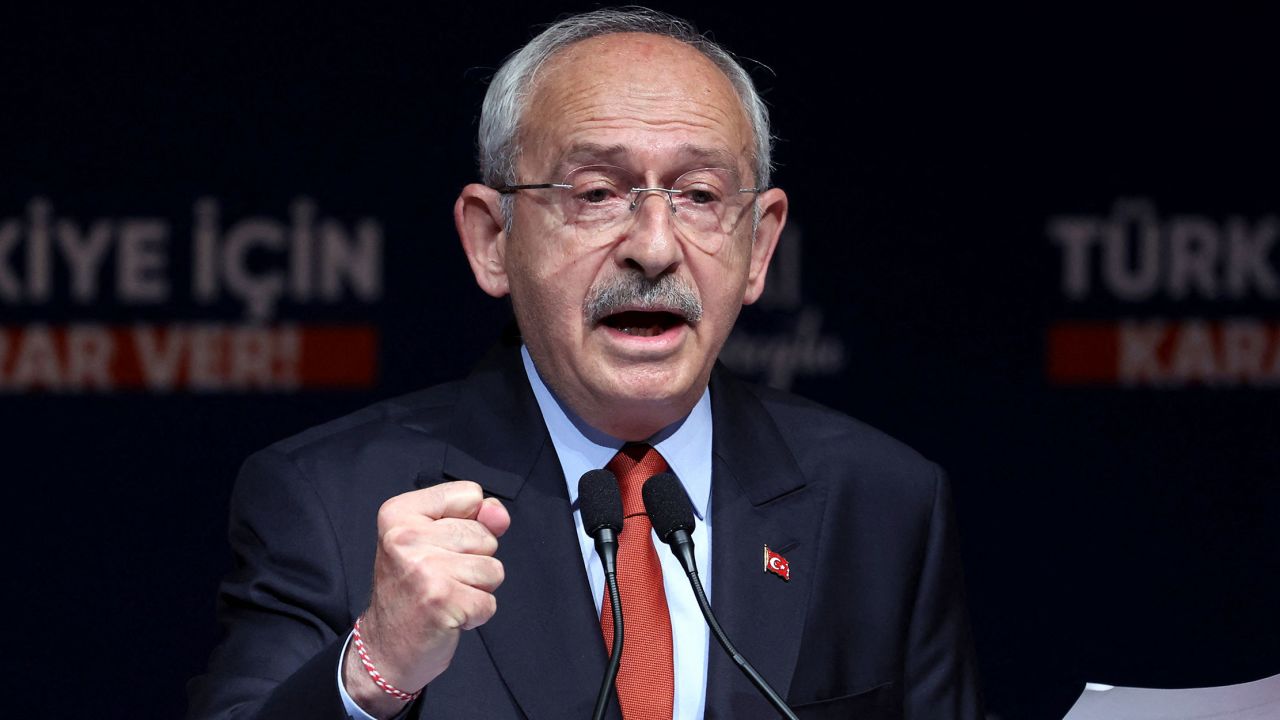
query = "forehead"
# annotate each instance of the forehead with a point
(648, 100)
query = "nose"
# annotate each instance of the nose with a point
(651, 245)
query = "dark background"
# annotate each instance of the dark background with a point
(1119, 536)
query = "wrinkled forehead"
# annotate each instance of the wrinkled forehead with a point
(679, 158)
(642, 102)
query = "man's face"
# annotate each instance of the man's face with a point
(656, 108)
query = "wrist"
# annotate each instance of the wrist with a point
(365, 682)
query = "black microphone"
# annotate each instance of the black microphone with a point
(600, 503)
(672, 517)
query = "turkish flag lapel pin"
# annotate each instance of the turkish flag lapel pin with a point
(776, 564)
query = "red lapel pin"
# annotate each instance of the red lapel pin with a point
(776, 564)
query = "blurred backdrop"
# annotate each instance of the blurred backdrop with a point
(1037, 245)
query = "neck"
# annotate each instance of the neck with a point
(610, 419)
(634, 422)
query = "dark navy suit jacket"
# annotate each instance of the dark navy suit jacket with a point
(872, 623)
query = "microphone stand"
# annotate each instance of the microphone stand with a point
(682, 546)
(607, 547)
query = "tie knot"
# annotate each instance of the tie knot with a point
(633, 465)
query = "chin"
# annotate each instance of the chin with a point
(657, 395)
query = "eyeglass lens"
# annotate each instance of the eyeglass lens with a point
(706, 203)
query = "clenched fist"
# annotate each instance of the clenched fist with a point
(433, 577)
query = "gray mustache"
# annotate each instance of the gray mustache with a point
(632, 290)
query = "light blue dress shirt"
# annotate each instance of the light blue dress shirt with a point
(686, 446)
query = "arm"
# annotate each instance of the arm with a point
(284, 605)
(941, 670)
(287, 604)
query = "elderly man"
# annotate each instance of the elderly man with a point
(422, 556)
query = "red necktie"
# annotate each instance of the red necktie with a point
(646, 680)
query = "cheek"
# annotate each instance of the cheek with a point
(538, 249)
(553, 275)
(538, 299)
(722, 283)
(738, 254)
(549, 289)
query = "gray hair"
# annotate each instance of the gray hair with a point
(511, 86)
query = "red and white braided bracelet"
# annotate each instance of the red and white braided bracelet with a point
(387, 687)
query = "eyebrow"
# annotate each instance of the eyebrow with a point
(690, 157)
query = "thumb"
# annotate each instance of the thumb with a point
(494, 516)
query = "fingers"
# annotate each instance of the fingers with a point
(459, 499)
(454, 535)
(402, 528)
(457, 550)
(481, 573)
(436, 546)
(454, 594)
(434, 575)
(457, 606)
(478, 608)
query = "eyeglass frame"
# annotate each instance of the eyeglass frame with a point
(637, 192)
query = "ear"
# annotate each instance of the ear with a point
(478, 217)
(773, 216)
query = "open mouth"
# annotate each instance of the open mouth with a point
(643, 323)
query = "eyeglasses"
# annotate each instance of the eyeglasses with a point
(707, 204)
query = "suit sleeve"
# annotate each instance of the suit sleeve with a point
(941, 670)
(283, 606)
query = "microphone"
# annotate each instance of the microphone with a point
(672, 517)
(600, 503)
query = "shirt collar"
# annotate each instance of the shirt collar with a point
(685, 444)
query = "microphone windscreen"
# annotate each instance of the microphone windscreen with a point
(600, 501)
(668, 507)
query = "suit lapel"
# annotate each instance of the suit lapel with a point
(758, 498)
(545, 639)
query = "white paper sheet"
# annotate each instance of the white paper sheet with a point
(1259, 700)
